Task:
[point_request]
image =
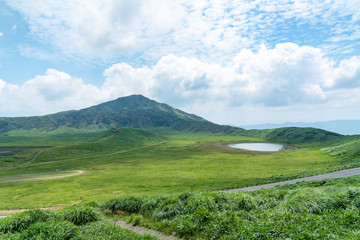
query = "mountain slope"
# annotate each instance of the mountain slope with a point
(345, 127)
(294, 135)
(135, 111)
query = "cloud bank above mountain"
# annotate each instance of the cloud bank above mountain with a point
(278, 78)
(229, 61)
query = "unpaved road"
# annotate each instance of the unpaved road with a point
(71, 173)
(337, 174)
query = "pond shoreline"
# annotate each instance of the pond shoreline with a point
(258, 147)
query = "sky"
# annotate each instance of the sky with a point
(234, 62)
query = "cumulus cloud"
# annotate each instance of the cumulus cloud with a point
(55, 91)
(276, 79)
(282, 76)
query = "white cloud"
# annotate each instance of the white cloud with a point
(97, 29)
(212, 30)
(55, 91)
(1, 34)
(276, 80)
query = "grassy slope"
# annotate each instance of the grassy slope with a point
(138, 163)
(297, 213)
(295, 135)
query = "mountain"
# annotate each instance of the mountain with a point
(345, 127)
(135, 111)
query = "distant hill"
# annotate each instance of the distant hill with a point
(294, 135)
(135, 111)
(345, 127)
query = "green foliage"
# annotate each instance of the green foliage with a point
(106, 231)
(80, 215)
(321, 213)
(19, 222)
(54, 230)
(77, 222)
(131, 204)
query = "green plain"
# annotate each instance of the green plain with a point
(136, 162)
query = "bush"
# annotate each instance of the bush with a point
(105, 230)
(58, 230)
(131, 204)
(80, 215)
(19, 222)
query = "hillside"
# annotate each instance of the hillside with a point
(345, 127)
(135, 111)
(294, 135)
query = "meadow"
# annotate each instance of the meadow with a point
(136, 162)
(169, 182)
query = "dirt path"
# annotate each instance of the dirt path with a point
(337, 174)
(5, 213)
(142, 230)
(73, 173)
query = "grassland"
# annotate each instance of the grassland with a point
(133, 162)
(291, 212)
(168, 182)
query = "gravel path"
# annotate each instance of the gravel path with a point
(337, 174)
(142, 230)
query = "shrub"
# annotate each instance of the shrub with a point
(19, 222)
(105, 230)
(131, 204)
(55, 230)
(80, 215)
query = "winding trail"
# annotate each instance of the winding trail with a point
(332, 175)
(72, 173)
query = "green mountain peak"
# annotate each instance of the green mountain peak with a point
(134, 111)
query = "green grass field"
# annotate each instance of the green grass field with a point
(133, 162)
(168, 182)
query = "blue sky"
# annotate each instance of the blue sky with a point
(232, 62)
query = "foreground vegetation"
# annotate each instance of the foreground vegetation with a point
(327, 209)
(80, 222)
(322, 212)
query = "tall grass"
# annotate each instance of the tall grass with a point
(304, 213)
(80, 215)
(78, 222)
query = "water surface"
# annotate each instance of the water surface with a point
(261, 147)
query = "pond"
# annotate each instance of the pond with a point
(261, 147)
